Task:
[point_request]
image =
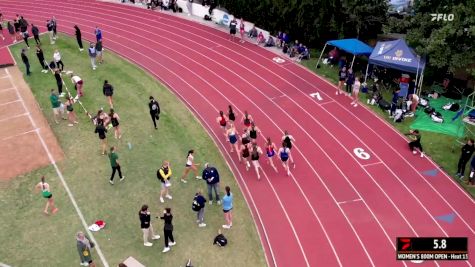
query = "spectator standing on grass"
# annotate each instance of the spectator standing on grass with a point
(394, 101)
(146, 226)
(164, 174)
(54, 23)
(78, 37)
(227, 208)
(57, 60)
(154, 108)
(99, 52)
(49, 27)
(114, 160)
(59, 82)
(471, 179)
(342, 75)
(78, 84)
(467, 152)
(98, 34)
(36, 33)
(108, 91)
(101, 131)
(168, 229)
(25, 60)
(46, 193)
(84, 246)
(115, 123)
(233, 28)
(350, 80)
(211, 175)
(70, 110)
(199, 203)
(92, 55)
(56, 105)
(415, 137)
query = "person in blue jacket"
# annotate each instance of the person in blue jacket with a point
(211, 175)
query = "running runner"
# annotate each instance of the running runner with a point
(270, 151)
(284, 153)
(233, 139)
(253, 130)
(247, 119)
(255, 154)
(288, 140)
(231, 115)
(245, 155)
(190, 165)
(46, 193)
(222, 120)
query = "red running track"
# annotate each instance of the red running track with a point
(336, 209)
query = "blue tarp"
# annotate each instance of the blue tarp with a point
(396, 55)
(353, 46)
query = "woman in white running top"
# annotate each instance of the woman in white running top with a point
(356, 92)
(190, 165)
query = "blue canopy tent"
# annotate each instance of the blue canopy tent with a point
(353, 46)
(397, 55)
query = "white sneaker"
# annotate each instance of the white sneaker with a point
(171, 243)
(184, 181)
(165, 249)
(148, 244)
(202, 225)
(168, 196)
(422, 154)
(225, 226)
(219, 202)
(111, 182)
(161, 199)
(248, 164)
(355, 105)
(414, 152)
(121, 179)
(81, 49)
(198, 177)
(211, 202)
(155, 237)
(84, 264)
(336, 93)
(197, 221)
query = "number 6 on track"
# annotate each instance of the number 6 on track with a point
(360, 153)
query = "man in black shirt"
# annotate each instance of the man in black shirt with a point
(36, 33)
(467, 152)
(25, 60)
(154, 110)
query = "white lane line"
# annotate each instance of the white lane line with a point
(14, 116)
(23, 133)
(349, 201)
(371, 164)
(60, 175)
(10, 102)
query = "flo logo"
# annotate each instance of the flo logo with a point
(442, 17)
(404, 243)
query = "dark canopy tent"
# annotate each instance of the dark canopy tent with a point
(397, 55)
(353, 46)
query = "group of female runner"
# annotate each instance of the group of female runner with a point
(246, 145)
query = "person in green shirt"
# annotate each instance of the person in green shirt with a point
(57, 107)
(114, 159)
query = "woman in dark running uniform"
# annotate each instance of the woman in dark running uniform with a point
(270, 151)
(115, 123)
(11, 31)
(1, 29)
(231, 115)
(255, 154)
(101, 131)
(78, 37)
(247, 119)
(108, 91)
(253, 130)
(245, 155)
(288, 140)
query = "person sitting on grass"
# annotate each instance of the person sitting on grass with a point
(304, 55)
(260, 38)
(270, 42)
(253, 32)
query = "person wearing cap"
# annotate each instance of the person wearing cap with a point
(164, 175)
(84, 246)
(211, 176)
(25, 60)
